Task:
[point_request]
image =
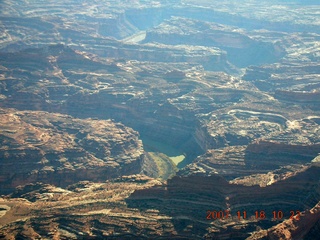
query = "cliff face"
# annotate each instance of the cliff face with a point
(84, 210)
(307, 227)
(84, 86)
(185, 207)
(239, 141)
(296, 96)
(270, 155)
(289, 82)
(194, 112)
(183, 199)
(212, 110)
(59, 149)
(233, 87)
(235, 42)
(210, 58)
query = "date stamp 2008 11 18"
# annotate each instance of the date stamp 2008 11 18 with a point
(258, 215)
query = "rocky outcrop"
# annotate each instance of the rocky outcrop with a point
(83, 86)
(182, 198)
(237, 44)
(298, 96)
(210, 58)
(84, 210)
(239, 125)
(268, 155)
(151, 99)
(307, 227)
(228, 162)
(152, 65)
(139, 206)
(59, 149)
(289, 82)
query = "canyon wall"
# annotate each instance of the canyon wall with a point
(183, 199)
(61, 150)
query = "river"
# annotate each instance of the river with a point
(154, 146)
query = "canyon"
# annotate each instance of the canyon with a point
(147, 119)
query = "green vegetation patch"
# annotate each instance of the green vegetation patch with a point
(166, 167)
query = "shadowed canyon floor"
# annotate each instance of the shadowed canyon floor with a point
(159, 119)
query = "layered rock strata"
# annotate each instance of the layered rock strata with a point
(245, 127)
(236, 42)
(85, 210)
(270, 155)
(137, 96)
(292, 82)
(307, 227)
(59, 149)
(182, 199)
(137, 206)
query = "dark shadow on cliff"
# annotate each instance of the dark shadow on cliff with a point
(187, 199)
(273, 155)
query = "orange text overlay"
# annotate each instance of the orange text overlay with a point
(258, 215)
